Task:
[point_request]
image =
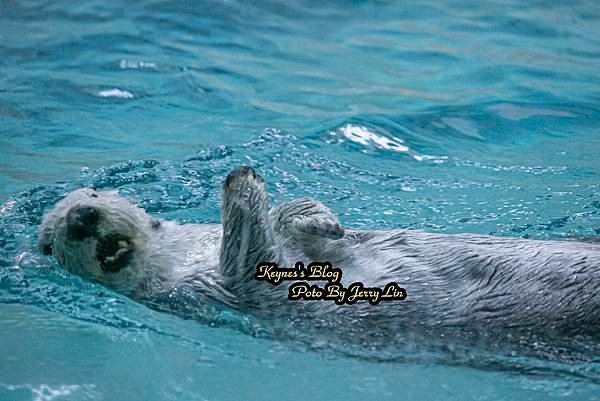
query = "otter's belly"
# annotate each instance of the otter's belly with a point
(472, 279)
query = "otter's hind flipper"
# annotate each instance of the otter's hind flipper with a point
(306, 216)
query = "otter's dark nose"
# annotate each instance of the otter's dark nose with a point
(82, 222)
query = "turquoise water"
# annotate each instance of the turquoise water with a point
(480, 117)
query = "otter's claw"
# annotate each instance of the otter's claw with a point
(245, 188)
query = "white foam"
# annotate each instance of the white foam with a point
(137, 65)
(116, 93)
(362, 135)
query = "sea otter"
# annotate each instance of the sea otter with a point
(450, 280)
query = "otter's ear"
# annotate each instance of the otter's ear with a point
(46, 235)
(155, 224)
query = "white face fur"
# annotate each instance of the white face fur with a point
(100, 236)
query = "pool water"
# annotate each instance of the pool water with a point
(470, 116)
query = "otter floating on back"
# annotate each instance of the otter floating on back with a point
(451, 280)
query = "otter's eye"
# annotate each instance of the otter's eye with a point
(155, 224)
(94, 195)
(47, 250)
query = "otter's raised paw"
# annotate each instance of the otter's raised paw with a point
(245, 188)
(306, 216)
(321, 226)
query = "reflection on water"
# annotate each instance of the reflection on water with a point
(363, 136)
(116, 93)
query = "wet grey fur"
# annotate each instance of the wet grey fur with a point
(451, 280)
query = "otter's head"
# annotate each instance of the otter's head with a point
(100, 236)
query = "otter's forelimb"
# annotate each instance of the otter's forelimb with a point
(248, 236)
(306, 217)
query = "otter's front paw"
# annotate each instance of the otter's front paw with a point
(306, 216)
(319, 226)
(244, 188)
